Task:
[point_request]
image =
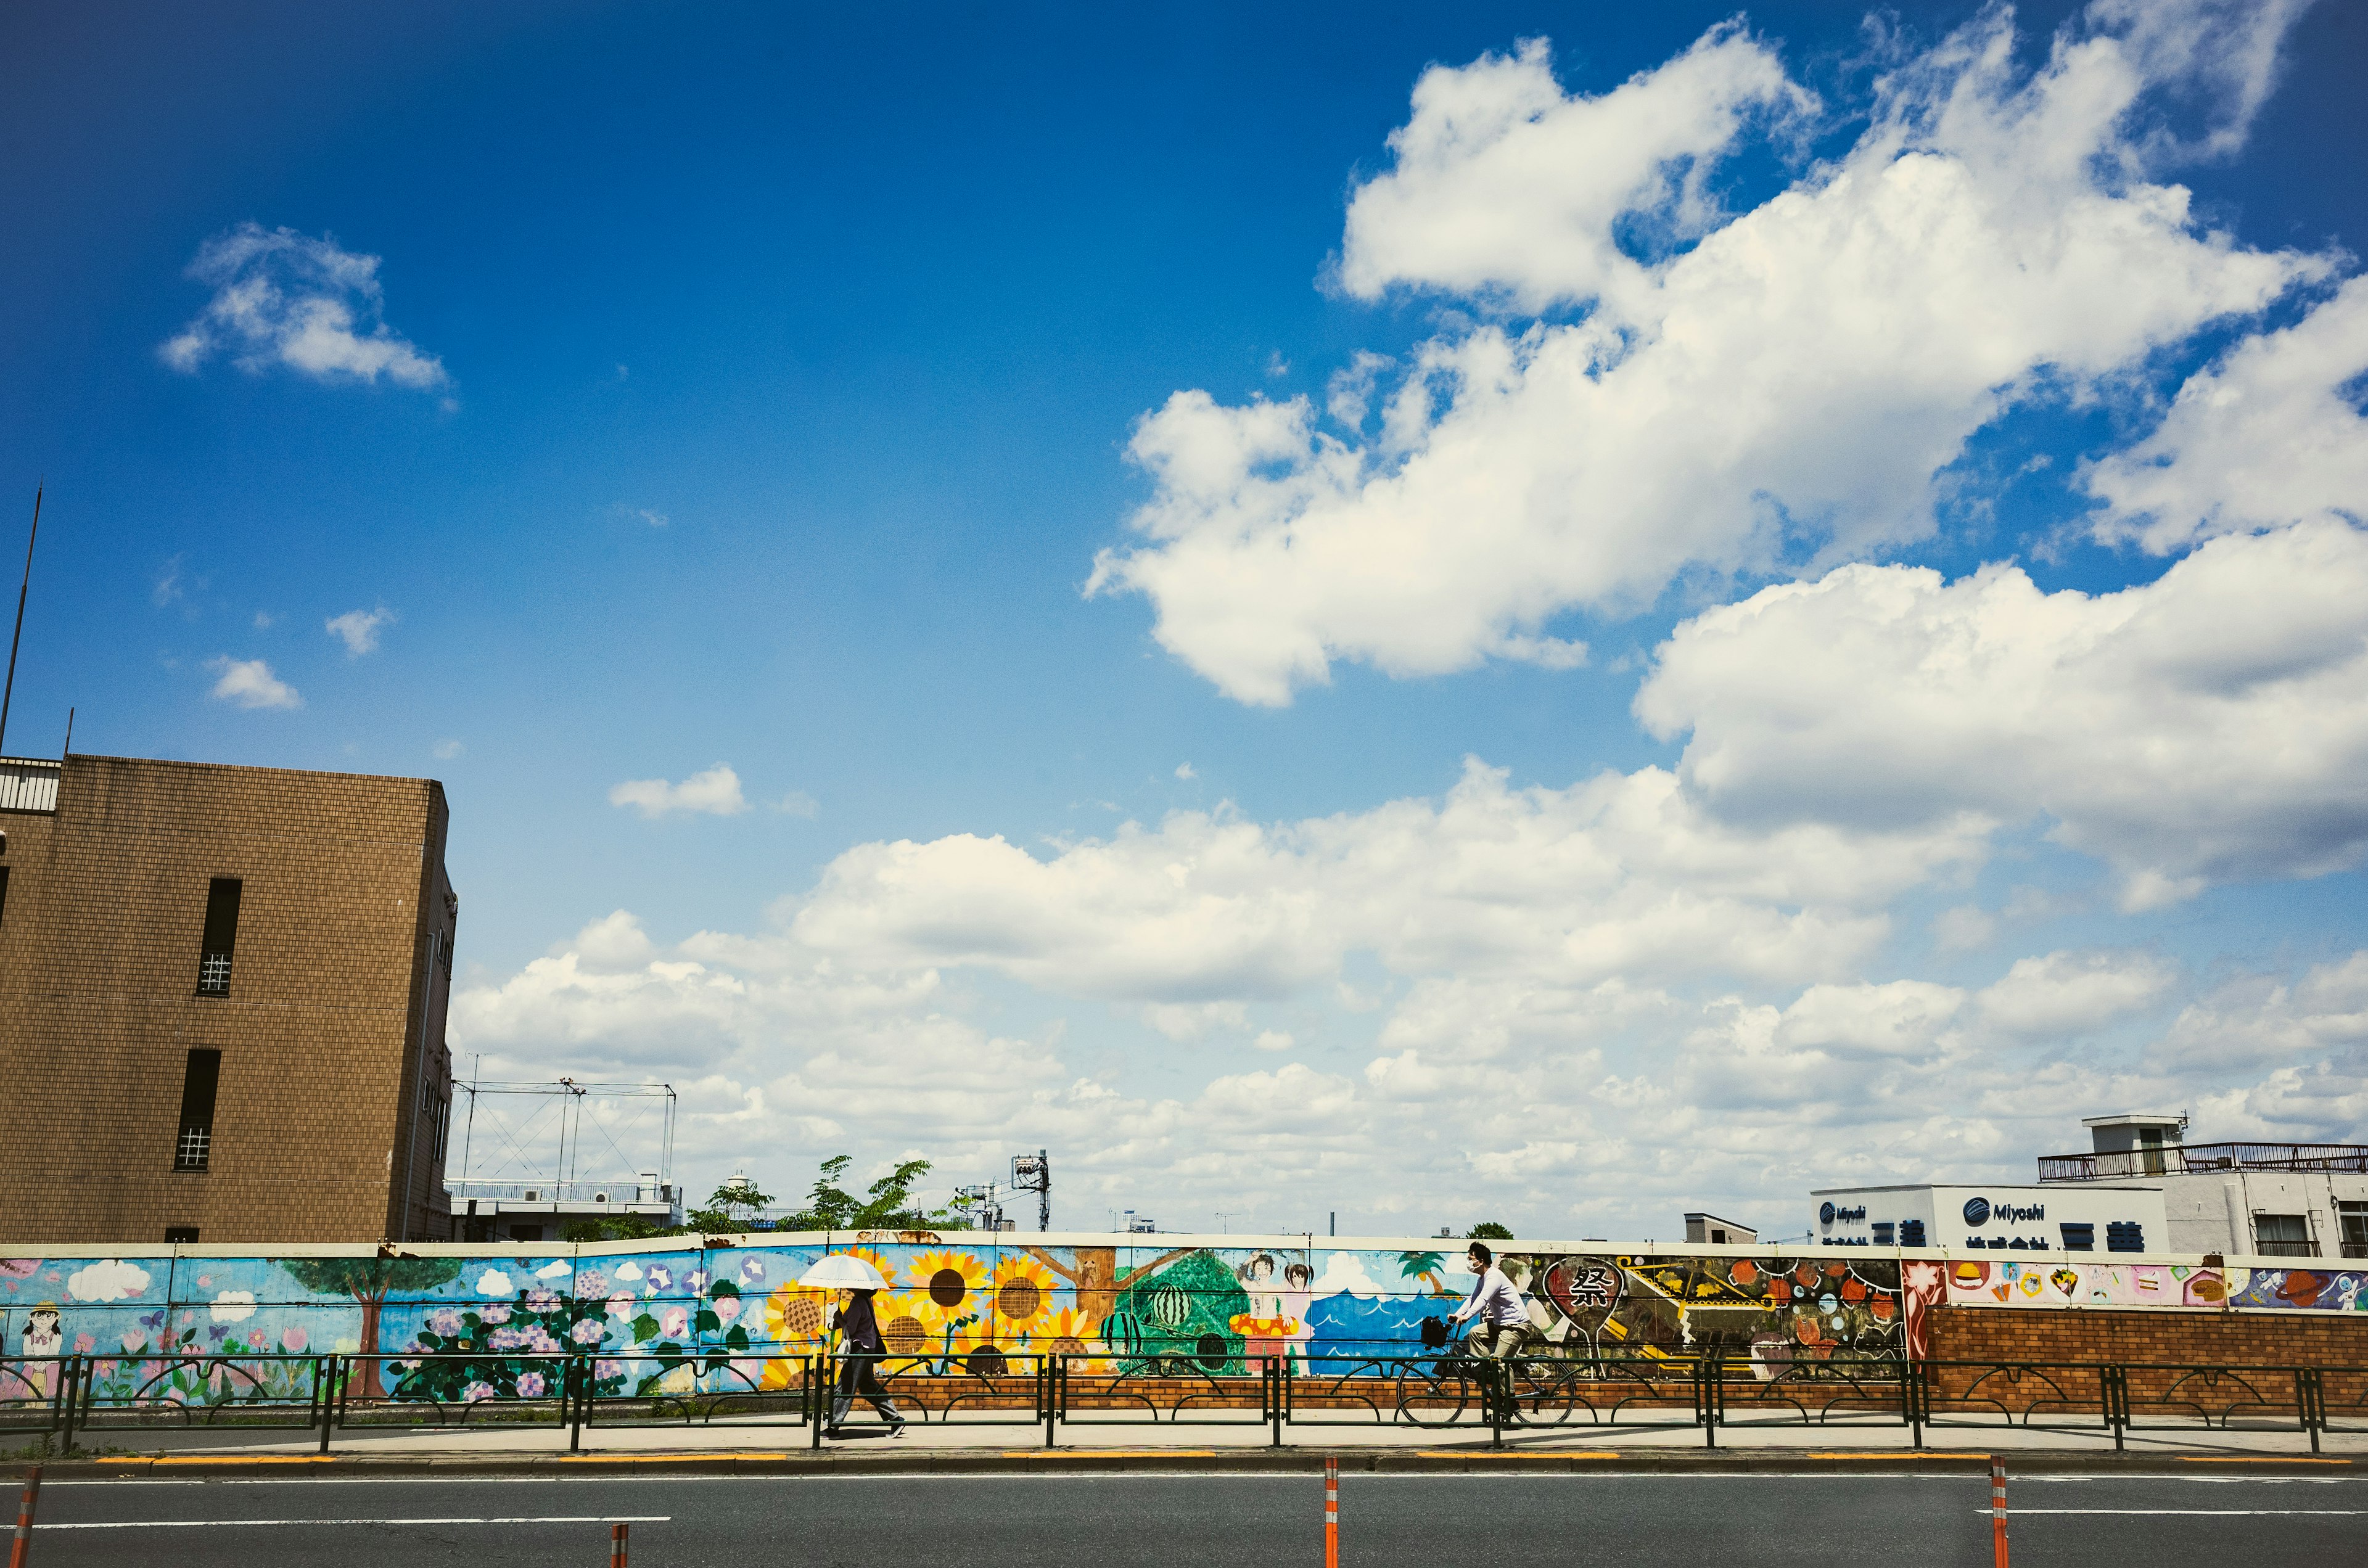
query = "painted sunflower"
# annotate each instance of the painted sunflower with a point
(947, 1284)
(793, 1317)
(1021, 1290)
(1069, 1332)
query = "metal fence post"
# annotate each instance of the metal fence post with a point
(325, 1372)
(577, 1380)
(2114, 1394)
(70, 1384)
(1278, 1375)
(2310, 1402)
(1047, 1369)
(1910, 1400)
(816, 1394)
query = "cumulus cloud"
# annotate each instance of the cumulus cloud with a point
(1621, 874)
(359, 629)
(285, 298)
(2070, 993)
(2209, 726)
(2271, 434)
(250, 684)
(1790, 386)
(715, 791)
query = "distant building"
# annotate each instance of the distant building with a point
(535, 1211)
(2116, 1217)
(1715, 1232)
(2258, 1200)
(222, 1003)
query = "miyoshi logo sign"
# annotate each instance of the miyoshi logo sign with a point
(1978, 1211)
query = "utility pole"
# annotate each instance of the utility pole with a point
(9, 691)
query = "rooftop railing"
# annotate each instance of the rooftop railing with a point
(2196, 1159)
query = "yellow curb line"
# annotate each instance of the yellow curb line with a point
(2267, 1458)
(1564, 1453)
(674, 1454)
(246, 1459)
(1109, 1453)
(1891, 1454)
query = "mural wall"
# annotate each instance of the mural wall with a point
(656, 1320)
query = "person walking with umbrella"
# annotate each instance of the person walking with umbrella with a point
(858, 1368)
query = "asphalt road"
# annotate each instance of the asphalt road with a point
(1256, 1520)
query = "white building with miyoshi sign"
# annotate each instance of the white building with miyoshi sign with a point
(2093, 1217)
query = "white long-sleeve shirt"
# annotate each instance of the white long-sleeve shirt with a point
(1495, 1300)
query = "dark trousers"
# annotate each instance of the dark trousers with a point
(859, 1373)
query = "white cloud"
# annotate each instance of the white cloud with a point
(250, 684)
(447, 750)
(1184, 770)
(715, 791)
(798, 803)
(2257, 1020)
(1963, 929)
(167, 585)
(282, 298)
(1988, 240)
(2209, 726)
(359, 629)
(2264, 438)
(2068, 993)
(1621, 874)
(1273, 1039)
(232, 1306)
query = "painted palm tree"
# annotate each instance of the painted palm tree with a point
(1425, 1266)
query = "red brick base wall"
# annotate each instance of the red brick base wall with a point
(2179, 1338)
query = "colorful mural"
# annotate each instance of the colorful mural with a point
(462, 1325)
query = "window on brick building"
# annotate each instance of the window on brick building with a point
(180, 1233)
(194, 1148)
(2283, 1235)
(221, 938)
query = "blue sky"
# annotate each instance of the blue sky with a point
(740, 389)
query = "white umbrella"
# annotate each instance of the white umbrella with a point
(842, 1271)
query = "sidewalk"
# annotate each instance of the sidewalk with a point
(980, 1444)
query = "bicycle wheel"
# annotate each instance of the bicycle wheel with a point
(1433, 1396)
(1544, 1393)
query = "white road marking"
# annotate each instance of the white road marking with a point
(2187, 1512)
(245, 1524)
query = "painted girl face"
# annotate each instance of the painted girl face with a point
(1262, 1268)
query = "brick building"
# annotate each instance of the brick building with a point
(222, 1003)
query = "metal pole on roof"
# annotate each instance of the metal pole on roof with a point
(9, 691)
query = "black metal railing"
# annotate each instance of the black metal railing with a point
(1711, 1390)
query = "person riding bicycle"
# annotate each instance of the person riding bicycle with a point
(1502, 1318)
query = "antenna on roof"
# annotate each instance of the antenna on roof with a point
(10, 689)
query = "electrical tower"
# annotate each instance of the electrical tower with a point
(1034, 1173)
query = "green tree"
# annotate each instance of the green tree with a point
(1425, 1266)
(370, 1280)
(1488, 1231)
(886, 1205)
(733, 1206)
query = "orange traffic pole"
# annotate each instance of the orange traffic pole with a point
(21, 1549)
(1998, 1509)
(1331, 1511)
(617, 1545)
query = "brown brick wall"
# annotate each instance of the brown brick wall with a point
(2187, 1338)
(330, 1003)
